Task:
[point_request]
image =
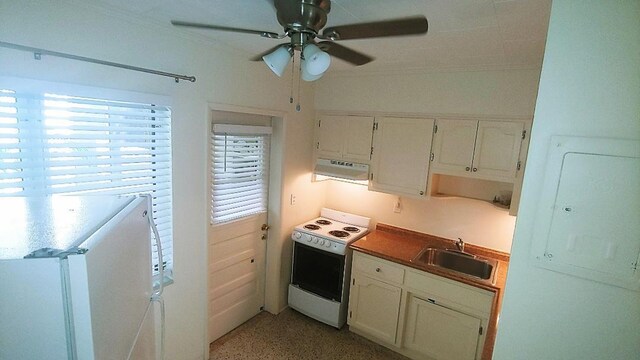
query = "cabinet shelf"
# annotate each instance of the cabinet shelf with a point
(442, 185)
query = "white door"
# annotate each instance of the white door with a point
(374, 307)
(453, 145)
(358, 135)
(331, 136)
(401, 150)
(440, 333)
(238, 231)
(497, 150)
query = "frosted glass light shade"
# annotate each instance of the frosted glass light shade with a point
(316, 60)
(277, 61)
(304, 74)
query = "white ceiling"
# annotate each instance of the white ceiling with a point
(463, 34)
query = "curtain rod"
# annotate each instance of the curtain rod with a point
(37, 53)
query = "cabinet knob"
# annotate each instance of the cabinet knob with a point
(467, 168)
(377, 269)
(475, 169)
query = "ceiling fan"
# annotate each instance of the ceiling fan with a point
(303, 22)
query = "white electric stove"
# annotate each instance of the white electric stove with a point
(321, 266)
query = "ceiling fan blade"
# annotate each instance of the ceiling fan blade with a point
(344, 53)
(259, 57)
(267, 34)
(397, 27)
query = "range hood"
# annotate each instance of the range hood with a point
(342, 169)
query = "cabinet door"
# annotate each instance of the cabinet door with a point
(453, 145)
(331, 136)
(497, 150)
(440, 333)
(374, 307)
(357, 138)
(401, 150)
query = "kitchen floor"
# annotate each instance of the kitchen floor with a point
(291, 335)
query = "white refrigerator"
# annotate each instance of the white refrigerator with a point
(75, 278)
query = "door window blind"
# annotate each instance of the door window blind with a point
(239, 172)
(55, 144)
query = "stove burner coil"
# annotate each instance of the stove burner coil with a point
(312, 227)
(339, 233)
(351, 229)
(323, 222)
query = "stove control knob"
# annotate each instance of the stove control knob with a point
(323, 242)
(315, 240)
(309, 238)
(297, 235)
(328, 244)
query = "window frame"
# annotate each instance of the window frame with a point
(38, 88)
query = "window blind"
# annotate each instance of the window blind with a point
(56, 144)
(240, 175)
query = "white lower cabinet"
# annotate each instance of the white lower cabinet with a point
(418, 314)
(374, 307)
(438, 332)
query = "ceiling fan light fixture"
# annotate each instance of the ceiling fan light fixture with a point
(278, 60)
(304, 74)
(316, 61)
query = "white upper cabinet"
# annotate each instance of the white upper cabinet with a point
(453, 145)
(481, 149)
(343, 137)
(401, 150)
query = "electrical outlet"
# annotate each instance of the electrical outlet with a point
(397, 206)
(292, 199)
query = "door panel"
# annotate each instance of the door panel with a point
(236, 273)
(453, 146)
(359, 132)
(331, 136)
(374, 307)
(497, 149)
(401, 155)
(440, 333)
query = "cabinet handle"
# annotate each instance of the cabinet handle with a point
(475, 169)
(377, 269)
(467, 168)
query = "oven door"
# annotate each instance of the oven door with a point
(318, 271)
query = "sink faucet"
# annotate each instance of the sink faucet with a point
(459, 244)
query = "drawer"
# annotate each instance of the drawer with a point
(466, 297)
(378, 268)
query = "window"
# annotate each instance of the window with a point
(239, 171)
(57, 144)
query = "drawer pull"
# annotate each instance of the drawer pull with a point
(377, 269)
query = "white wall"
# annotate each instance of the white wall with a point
(224, 77)
(590, 86)
(509, 93)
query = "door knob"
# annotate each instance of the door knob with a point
(265, 227)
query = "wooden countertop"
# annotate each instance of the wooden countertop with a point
(401, 245)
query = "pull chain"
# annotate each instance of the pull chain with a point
(293, 66)
(299, 76)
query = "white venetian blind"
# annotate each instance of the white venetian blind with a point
(56, 144)
(239, 171)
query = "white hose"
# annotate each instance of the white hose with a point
(157, 294)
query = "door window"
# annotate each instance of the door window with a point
(239, 172)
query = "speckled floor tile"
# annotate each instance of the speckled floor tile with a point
(291, 335)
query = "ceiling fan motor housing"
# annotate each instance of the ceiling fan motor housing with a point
(302, 15)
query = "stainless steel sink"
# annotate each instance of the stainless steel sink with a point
(459, 262)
